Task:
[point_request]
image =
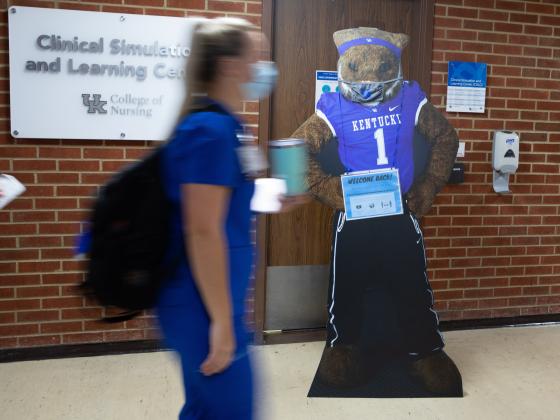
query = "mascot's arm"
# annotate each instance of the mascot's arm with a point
(326, 188)
(444, 141)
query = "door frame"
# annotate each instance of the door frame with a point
(424, 24)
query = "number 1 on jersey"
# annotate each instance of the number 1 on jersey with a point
(381, 154)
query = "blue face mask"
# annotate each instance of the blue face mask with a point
(263, 80)
(368, 91)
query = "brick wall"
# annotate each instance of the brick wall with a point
(489, 255)
(39, 303)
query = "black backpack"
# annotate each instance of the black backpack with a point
(129, 239)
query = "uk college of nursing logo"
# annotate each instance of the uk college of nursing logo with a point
(94, 103)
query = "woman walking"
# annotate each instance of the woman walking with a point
(201, 309)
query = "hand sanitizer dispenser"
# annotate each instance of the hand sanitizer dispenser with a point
(505, 159)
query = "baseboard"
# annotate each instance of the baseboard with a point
(319, 334)
(284, 337)
(80, 350)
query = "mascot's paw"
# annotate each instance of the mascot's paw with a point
(421, 197)
(439, 374)
(342, 366)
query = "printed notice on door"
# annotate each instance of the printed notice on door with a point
(466, 87)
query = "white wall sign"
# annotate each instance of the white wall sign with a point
(325, 81)
(91, 75)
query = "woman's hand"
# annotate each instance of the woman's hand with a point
(222, 348)
(290, 202)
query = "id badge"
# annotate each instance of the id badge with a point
(369, 194)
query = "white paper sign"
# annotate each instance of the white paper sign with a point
(91, 75)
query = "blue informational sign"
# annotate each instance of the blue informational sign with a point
(372, 194)
(325, 82)
(466, 86)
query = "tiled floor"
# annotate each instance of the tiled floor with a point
(509, 373)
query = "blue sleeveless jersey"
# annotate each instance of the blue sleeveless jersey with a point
(375, 137)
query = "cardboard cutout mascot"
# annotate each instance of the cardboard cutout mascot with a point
(380, 306)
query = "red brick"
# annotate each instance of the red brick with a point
(477, 47)
(82, 314)
(506, 312)
(82, 338)
(58, 178)
(550, 259)
(537, 51)
(73, 265)
(470, 24)
(152, 3)
(549, 42)
(187, 4)
(479, 293)
(18, 330)
(539, 8)
(510, 5)
(492, 59)
(553, 64)
(464, 262)
(18, 152)
(254, 8)
(62, 278)
(550, 20)
(60, 152)
(491, 124)
(539, 270)
(40, 242)
(41, 291)
(537, 30)
(524, 18)
(79, 165)
(522, 104)
(41, 340)
(493, 303)
(488, 36)
(74, 6)
(19, 280)
(446, 45)
(508, 27)
(534, 94)
(99, 326)
(493, 15)
(28, 316)
(550, 280)
(6, 343)
(463, 304)
(56, 203)
(507, 49)
(165, 12)
(73, 216)
(450, 274)
(142, 322)
(33, 165)
(37, 267)
(226, 6)
(34, 216)
(122, 9)
(124, 335)
(61, 327)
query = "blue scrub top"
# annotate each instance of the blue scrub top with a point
(203, 151)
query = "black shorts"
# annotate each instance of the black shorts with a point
(379, 294)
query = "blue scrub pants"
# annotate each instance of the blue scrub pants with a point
(224, 396)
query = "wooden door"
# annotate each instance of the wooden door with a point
(296, 246)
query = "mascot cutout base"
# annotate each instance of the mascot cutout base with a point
(383, 337)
